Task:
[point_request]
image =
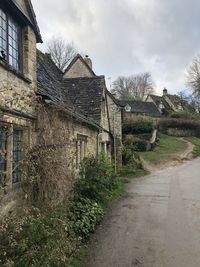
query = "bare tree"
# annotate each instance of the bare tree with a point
(133, 87)
(193, 76)
(61, 52)
(191, 99)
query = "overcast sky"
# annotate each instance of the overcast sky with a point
(125, 37)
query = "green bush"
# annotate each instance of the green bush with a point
(85, 214)
(41, 238)
(139, 125)
(50, 237)
(92, 192)
(185, 114)
(180, 124)
(140, 145)
(131, 158)
(97, 179)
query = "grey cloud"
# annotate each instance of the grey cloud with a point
(128, 36)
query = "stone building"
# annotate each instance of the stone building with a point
(133, 108)
(19, 34)
(88, 91)
(168, 103)
(71, 113)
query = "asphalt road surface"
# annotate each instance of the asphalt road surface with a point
(155, 223)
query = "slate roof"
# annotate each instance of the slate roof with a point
(50, 86)
(176, 101)
(49, 78)
(86, 93)
(158, 99)
(140, 107)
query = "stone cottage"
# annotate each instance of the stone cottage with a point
(19, 34)
(71, 114)
(133, 108)
(168, 103)
(88, 91)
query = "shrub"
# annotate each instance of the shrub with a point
(180, 124)
(41, 238)
(139, 125)
(85, 214)
(131, 159)
(140, 145)
(50, 237)
(129, 139)
(97, 179)
(185, 114)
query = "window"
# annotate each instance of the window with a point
(17, 151)
(81, 144)
(128, 108)
(9, 40)
(3, 154)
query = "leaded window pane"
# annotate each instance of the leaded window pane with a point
(9, 40)
(17, 155)
(3, 30)
(13, 41)
(3, 152)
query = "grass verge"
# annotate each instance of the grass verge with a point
(168, 147)
(196, 142)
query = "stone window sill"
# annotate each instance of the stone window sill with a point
(17, 73)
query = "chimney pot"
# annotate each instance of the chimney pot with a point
(165, 91)
(88, 61)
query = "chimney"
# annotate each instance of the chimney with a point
(88, 61)
(165, 91)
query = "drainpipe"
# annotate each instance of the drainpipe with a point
(115, 147)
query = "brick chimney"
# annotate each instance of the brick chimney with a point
(88, 61)
(165, 91)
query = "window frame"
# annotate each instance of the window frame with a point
(14, 154)
(4, 154)
(17, 151)
(19, 59)
(81, 148)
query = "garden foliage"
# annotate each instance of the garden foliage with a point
(50, 236)
(180, 124)
(138, 125)
(185, 115)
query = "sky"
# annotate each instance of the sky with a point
(126, 37)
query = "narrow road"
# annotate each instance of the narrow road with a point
(155, 224)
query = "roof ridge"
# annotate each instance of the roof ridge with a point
(78, 56)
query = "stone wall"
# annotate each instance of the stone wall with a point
(17, 111)
(17, 89)
(54, 132)
(78, 70)
(115, 119)
(72, 139)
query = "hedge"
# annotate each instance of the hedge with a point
(140, 125)
(180, 124)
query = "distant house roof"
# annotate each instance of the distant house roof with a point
(31, 20)
(87, 94)
(158, 100)
(178, 101)
(140, 107)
